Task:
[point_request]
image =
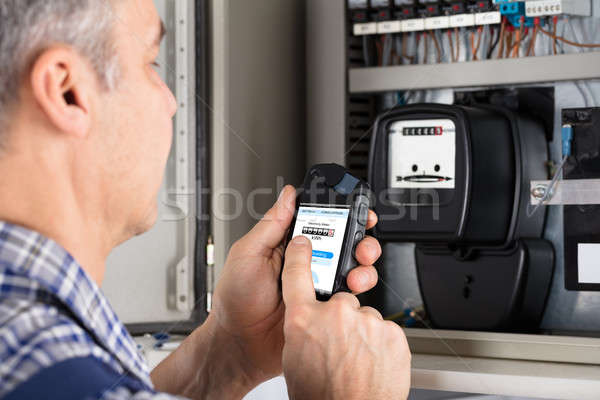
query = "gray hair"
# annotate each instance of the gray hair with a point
(28, 27)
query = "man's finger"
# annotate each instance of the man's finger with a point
(372, 311)
(362, 279)
(297, 282)
(368, 251)
(371, 219)
(271, 230)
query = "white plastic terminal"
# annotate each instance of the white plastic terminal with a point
(437, 23)
(366, 28)
(413, 25)
(423, 24)
(460, 20)
(488, 18)
(541, 8)
(389, 27)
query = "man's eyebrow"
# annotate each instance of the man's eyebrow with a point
(161, 34)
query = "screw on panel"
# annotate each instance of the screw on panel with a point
(539, 192)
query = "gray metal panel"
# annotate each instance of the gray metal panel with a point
(504, 345)
(568, 310)
(140, 276)
(506, 377)
(479, 73)
(326, 81)
(258, 122)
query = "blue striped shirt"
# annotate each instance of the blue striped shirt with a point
(59, 337)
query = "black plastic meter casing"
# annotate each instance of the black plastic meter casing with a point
(482, 263)
(328, 185)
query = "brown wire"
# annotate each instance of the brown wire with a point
(502, 35)
(531, 43)
(554, 41)
(531, 49)
(437, 47)
(426, 55)
(472, 40)
(379, 51)
(451, 42)
(509, 42)
(567, 41)
(517, 45)
(492, 32)
(457, 44)
(480, 34)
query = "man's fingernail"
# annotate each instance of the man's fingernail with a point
(300, 241)
(280, 195)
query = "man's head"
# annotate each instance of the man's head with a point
(81, 99)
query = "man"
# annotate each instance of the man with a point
(85, 134)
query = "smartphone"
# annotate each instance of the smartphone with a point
(331, 211)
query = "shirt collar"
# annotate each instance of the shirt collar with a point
(55, 272)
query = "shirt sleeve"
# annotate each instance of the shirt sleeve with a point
(123, 393)
(84, 378)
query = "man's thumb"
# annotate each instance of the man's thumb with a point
(296, 277)
(271, 229)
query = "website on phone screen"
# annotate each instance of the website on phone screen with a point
(325, 228)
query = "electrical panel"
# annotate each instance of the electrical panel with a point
(485, 54)
(465, 30)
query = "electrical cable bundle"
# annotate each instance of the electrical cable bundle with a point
(481, 43)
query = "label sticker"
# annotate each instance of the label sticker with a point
(588, 267)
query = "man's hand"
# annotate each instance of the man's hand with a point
(248, 307)
(336, 349)
(240, 344)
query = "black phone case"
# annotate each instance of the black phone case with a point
(331, 185)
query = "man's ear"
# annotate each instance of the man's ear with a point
(61, 85)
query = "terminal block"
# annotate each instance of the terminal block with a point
(514, 11)
(543, 8)
(454, 7)
(405, 9)
(480, 6)
(381, 10)
(358, 10)
(429, 8)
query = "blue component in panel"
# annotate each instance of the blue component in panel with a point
(514, 11)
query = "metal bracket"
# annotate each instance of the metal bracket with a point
(183, 299)
(566, 192)
(184, 272)
(182, 148)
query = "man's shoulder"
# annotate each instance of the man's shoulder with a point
(44, 353)
(36, 337)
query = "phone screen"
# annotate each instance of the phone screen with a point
(325, 227)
